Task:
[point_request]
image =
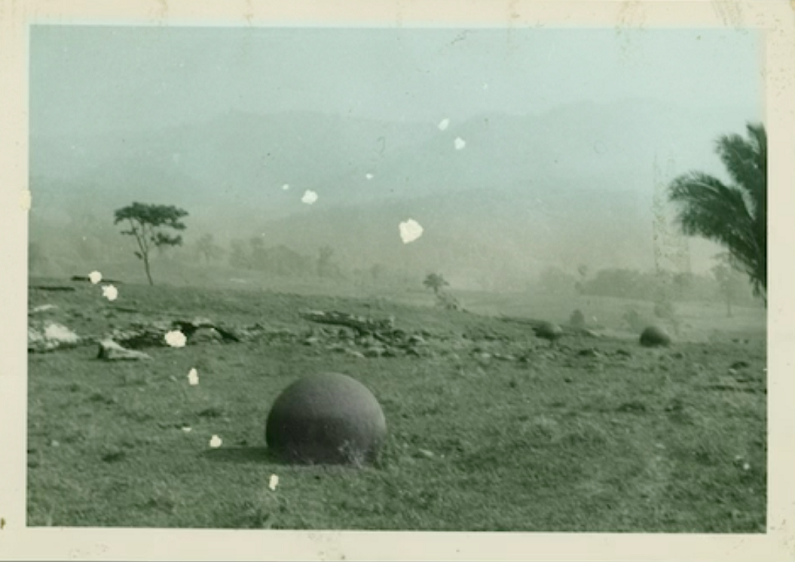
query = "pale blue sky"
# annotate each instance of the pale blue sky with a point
(94, 79)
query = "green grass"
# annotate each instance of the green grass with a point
(660, 441)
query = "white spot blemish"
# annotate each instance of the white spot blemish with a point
(286, 186)
(410, 230)
(746, 466)
(95, 277)
(274, 481)
(460, 143)
(187, 429)
(215, 442)
(443, 124)
(193, 377)
(369, 176)
(309, 197)
(175, 338)
(25, 200)
(485, 86)
(110, 292)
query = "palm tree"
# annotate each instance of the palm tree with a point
(733, 215)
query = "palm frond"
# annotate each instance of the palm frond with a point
(734, 216)
(713, 210)
(746, 162)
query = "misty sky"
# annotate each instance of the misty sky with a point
(94, 79)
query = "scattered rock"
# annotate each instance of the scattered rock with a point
(51, 336)
(114, 456)
(53, 288)
(109, 350)
(739, 365)
(139, 337)
(589, 352)
(577, 319)
(655, 336)
(548, 331)
(88, 279)
(42, 308)
(205, 335)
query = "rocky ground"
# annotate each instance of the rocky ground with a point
(591, 431)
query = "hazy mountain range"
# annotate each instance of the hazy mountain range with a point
(570, 186)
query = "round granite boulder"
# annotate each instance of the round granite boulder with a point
(327, 418)
(548, 331)
(655, 336)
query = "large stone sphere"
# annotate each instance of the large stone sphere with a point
(655, 336)
(327, 418)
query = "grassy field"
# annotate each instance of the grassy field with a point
(489, 428)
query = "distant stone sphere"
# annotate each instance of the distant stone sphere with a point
(548, 331)
(326, 418)
(655, 336)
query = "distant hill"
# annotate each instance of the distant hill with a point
(570, 186)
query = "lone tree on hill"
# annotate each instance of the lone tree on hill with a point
(146, 223)
(435, 282)
(734, 215)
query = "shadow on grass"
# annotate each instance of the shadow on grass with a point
(243, 455)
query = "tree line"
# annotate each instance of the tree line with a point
(733, 214)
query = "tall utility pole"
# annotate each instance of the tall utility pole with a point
(671, 248)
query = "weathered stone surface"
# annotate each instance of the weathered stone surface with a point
(326, 418)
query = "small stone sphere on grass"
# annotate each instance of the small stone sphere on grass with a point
(326, 418)
(548, 331)
(655, 336)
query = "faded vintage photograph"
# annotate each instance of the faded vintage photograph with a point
(397, 278)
